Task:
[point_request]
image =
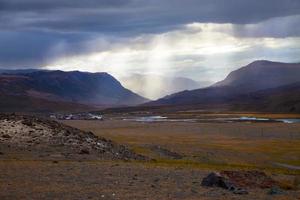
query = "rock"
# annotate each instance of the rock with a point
(216, 180)
(275, 191)
(27, 123)
(235, 181)
(297, 182)
(249, 179)
(194, 191)
(213, 180)
(84, 151)
(6, 136)
(240, 191)
(156, 180)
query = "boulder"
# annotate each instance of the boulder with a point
(213, 180)
(275, 191)
(249, 179)
(84, 151)
(216, 180)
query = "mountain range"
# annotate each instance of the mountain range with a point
(262, 74)
(59, 87)
(261, 85)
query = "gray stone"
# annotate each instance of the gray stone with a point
(275, 191)
(216, 180)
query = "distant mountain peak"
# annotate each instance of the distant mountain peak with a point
(156, 86)
(259, 78)
(261, 62)
(265, 73)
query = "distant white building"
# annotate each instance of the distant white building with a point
(78, 116)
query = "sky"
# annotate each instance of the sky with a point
(199, 39)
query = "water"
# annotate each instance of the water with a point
(150, 119)
(289, 121)
(158, 118)
(255, 119)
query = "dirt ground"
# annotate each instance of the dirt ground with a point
(244, 145)
(111, 180)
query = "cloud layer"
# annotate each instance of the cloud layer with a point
(201, 39)
(203, 51)
(136, 15)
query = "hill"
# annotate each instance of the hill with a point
(30, 134)
(253, 87)
(59, 87)
(261, 75)
(281, 99)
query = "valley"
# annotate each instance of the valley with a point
(181, 154)
(241, 144)
(149, 100)
(79, 135)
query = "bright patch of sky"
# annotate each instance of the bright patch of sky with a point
(201, 51)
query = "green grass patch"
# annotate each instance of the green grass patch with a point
(188, 164)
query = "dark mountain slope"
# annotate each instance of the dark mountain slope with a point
(90, 88)
(263, 74)
(201, 96)
(28, 104)
(281, 99)
(240, 87)
(93, 89)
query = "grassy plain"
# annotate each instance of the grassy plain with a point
(238, 145)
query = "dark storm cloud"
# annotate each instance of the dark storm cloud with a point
(18, 48)
(34, 48)
(276, 28)
(29, 29)
(41, 5)
(137, 15)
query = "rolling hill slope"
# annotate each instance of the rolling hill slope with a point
(261, 75)
(91, 89)
(259, 85)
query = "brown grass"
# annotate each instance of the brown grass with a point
(211, 145)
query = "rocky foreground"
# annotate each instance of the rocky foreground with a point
(29, 133)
